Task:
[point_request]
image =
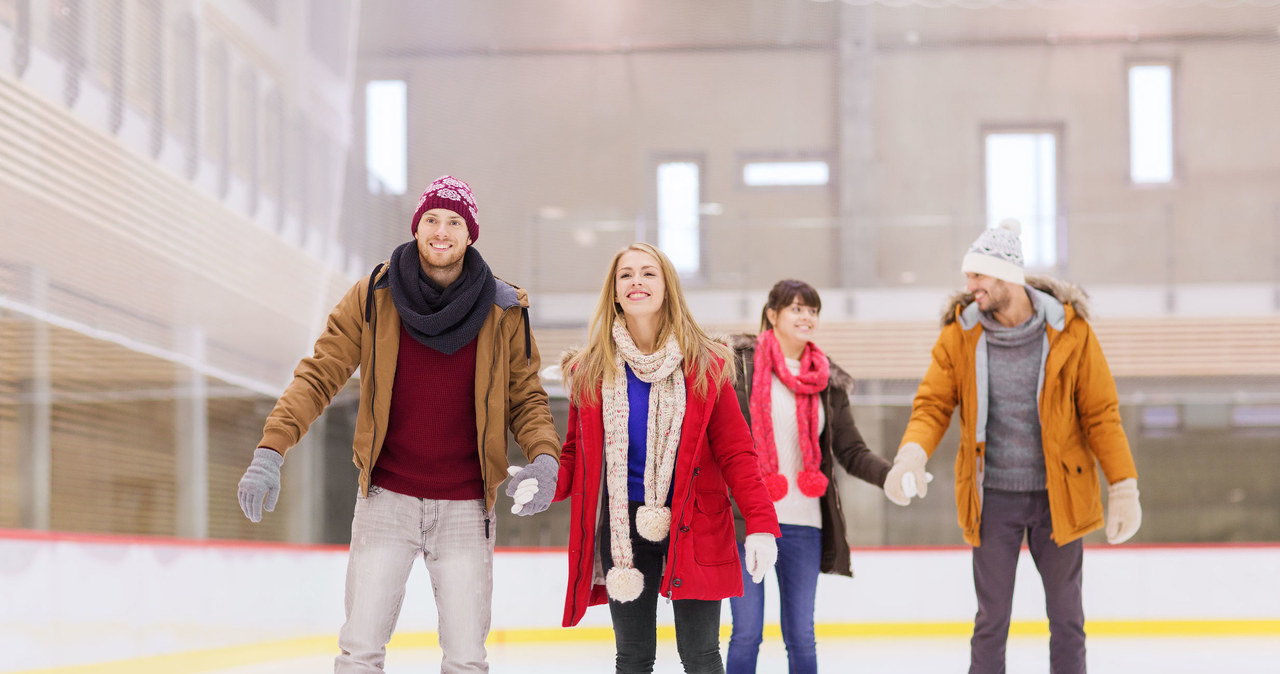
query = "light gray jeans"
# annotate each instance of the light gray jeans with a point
(388, 532)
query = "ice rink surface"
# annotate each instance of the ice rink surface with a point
(1026, 655)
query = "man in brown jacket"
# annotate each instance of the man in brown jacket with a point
(446, 358)
(1038, 413)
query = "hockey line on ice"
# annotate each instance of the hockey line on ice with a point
(212, 660)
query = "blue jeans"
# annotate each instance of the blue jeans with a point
(799, 562)
(389, 531)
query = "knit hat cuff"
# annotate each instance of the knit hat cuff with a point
(1004, 270)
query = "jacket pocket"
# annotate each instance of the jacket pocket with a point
(1082, 490)
(713, 539)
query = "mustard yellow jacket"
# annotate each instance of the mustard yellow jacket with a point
(508, 391)
(1079, 411)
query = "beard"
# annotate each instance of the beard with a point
(997, 302)
(436, 261)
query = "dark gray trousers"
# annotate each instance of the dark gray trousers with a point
(1006, 517)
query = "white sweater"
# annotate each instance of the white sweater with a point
(795, 507)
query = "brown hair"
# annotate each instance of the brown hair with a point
(785, 292)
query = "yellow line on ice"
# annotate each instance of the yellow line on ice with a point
(214, 659)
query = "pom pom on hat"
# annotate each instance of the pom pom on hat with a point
(997, 253)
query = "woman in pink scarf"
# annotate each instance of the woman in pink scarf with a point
(796, 401)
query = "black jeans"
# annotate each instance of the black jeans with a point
(1006, 518)
(635, 623)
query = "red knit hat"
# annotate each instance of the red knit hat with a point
(453, 194)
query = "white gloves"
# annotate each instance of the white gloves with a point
(907, 477)
(762, 552)
(1125, 514)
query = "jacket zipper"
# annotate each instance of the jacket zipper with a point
(373, 390)
(484, 434)
(582, 527)
(675, 549)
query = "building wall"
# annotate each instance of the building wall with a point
(540, 120)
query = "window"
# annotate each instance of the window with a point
(1151, 123)
(1255, 416)
(679, 193)
(1161, 420)
(246, 154)
(786, 173)
(386, 136)
(217, 122)
(1022, 183)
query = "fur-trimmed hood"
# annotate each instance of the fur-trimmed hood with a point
(742, 343)
(1064, 292)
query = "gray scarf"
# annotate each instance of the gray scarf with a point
(445, 319)
(1002, 335)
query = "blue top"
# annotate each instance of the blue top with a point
(637, 435)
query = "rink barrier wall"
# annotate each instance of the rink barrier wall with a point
(99, 604)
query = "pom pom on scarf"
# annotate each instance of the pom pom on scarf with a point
(812, 483)
(653, 522)
(776, 484)
(624, 584)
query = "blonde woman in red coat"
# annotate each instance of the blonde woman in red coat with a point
(655, 446)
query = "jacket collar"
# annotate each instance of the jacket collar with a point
(1055, 313)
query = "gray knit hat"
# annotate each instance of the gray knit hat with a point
(997, 253)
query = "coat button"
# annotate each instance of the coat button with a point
(1079, 469)
(684, 528)
(675, 582)
(697, 470)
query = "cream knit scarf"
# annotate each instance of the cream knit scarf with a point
(662, 370)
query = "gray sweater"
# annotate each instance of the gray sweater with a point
(1014, 455)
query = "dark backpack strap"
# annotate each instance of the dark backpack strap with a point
(368, 300)
(528, 338)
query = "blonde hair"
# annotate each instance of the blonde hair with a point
(593, 365)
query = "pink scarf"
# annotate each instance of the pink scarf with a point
(815, 371)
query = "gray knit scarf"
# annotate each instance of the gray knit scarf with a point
(445, 319)
(1002, 335)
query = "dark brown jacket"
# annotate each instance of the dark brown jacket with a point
(840, 441)
(508, 391)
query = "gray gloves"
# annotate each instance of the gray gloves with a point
(533, 486)
(262, 479)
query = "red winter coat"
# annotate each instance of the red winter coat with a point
(715, 455)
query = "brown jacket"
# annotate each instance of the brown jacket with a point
(839, 441)
(1079, 411)
(508, 391)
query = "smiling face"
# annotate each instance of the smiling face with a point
(638, 284)
(442, 239)
(991, 294)
(795, 324)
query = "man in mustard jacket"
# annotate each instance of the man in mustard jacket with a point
(1038, 413)
(447, 363)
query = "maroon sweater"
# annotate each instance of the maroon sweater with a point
(431, 450)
